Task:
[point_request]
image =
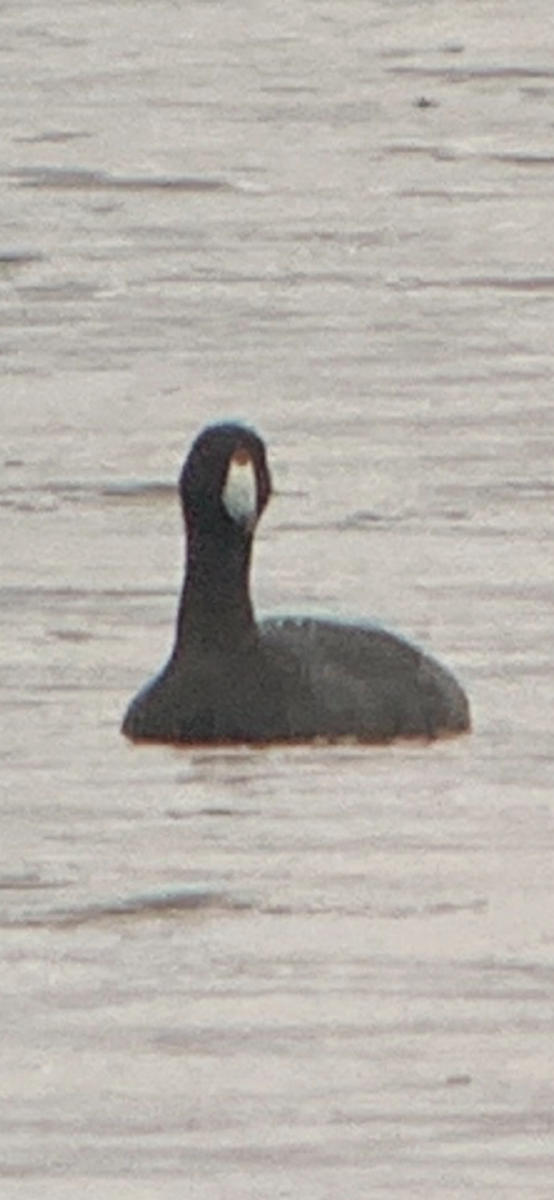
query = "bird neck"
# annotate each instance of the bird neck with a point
(215, 607)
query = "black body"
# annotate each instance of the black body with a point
(231, 680)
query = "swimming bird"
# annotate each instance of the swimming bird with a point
(232, 679)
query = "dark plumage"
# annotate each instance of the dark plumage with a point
(294, 679)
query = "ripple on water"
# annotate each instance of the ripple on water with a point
(166, 901)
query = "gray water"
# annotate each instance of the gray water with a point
(309, 972)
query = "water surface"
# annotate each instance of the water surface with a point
(296, 972)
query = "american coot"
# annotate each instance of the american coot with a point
(285, 679)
